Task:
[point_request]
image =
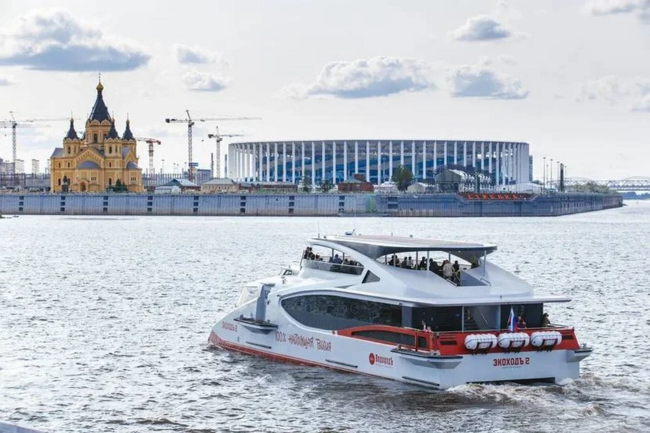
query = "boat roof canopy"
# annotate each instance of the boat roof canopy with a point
(378, 246)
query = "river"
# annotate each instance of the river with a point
(104, 325)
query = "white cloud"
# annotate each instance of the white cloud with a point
(57, 40)
(642, 104)
(194, 54)
(481, 81)
(379, 76)
(610, 7)
(632, 94)
(480, 28)
(508, 60)
(605, 88)
(5, 81)
(204, 81)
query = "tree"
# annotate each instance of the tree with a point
(402, 177)
(326, 186)
(120, 187)
(306, 184)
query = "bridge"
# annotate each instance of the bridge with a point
(636, 183)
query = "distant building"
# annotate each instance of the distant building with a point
(98, 159)
(183, 184)
(268, 187)
(219, 185)
(357, 184)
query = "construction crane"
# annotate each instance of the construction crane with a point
(15, 124)
(190, 122)
(219, 138)
(150, 142)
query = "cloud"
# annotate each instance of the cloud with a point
(642, 105)
(611, 7)
(5, 81)
(508, 60)
(480, 81)
(195, 55)
(204, 81)
(631, 94)
(379, 76)
(56, 40)
(605, 88)
(480, 28)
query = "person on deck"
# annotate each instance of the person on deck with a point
(521, 324)
(447, 270)
(423, 264)
(546, 322)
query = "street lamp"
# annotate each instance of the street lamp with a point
(544, 176)
(163, 165)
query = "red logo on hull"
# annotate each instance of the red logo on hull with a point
(371, 358)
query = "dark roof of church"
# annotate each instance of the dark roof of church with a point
(100, 110)
(125, 151)
(88, 164)
(131, 165)
(72, 134)
(58, 151)
(128, 135)
(113, 132)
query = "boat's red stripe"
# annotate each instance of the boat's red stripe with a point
(215, 340)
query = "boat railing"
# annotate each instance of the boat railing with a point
(341, 268)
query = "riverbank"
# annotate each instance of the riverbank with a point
(401, 205)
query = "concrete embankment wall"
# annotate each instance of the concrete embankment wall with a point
(437, 205)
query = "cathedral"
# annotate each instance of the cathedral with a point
(98, 161)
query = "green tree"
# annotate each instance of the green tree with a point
(402, 177)
(326, 186)
(306, 184)
(120, 187)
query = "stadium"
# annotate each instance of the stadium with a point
(335, 161)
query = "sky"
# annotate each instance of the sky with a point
(572, 78)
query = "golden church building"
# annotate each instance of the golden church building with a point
(98, 160)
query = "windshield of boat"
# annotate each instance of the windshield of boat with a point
(330, 260)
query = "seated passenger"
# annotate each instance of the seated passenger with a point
(474, 263)
(545, 320)
(447, 270)
(409, 263)
(337, 259)
(423, 264)
(405, 263)
(456, 266)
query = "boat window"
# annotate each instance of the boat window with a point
(391, 337)
(370, 278)
(336, 312)
(531, 313)
(439, 319)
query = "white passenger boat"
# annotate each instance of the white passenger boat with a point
(358, 304)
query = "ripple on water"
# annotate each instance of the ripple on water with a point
(116, 341)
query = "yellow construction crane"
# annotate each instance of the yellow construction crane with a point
(150, 142)
(219, 138)
(190, 122)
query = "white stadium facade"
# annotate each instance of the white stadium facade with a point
(335, 161)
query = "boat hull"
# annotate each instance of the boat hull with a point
(294, 344)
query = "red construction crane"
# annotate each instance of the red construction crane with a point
(150, 142)
(14, 124)
(219, 138)
(190, 122)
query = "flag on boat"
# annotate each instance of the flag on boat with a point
(512, 321)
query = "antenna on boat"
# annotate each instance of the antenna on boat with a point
(318, 228)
